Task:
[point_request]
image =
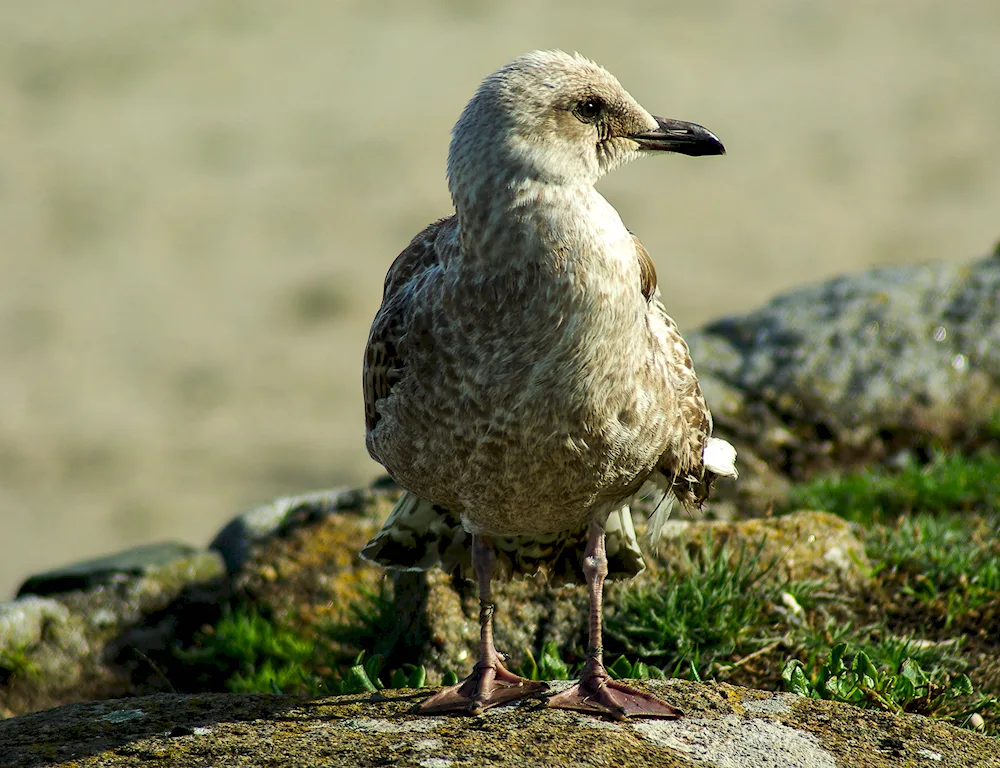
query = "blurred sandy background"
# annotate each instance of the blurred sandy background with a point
(199, 200)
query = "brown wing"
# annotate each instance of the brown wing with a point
(383, 365)
(647, 270)
(682, 463)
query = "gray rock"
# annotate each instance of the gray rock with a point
(724, 726)
(855, 369)
(147, 561)
(236, 540)
(70, 645)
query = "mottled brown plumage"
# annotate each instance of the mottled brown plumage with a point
(522, 379)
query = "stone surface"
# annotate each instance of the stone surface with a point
(149, 561)
(853, 370)
(237, 538)
(724, 726)
(80, 643)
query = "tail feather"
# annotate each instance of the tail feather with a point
(419, 535)
(416, 536)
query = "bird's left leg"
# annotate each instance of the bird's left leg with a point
(490, 683)
(596, 691)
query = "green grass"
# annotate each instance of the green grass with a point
(896, 685)
(366, 674)
(949, 483)
(252, 654)
(717, 608)
(932, 531)
(932, 534)
(551, 666)
(16, 662)
(729, 618)
(952, 561)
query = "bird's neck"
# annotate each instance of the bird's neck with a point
(528, 221)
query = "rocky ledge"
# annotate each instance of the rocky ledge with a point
(724, 726)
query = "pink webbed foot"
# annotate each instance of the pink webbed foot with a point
(597, 692)
(487, 686)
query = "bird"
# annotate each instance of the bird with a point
(522, 380)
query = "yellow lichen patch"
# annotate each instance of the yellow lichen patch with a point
(804, 546)
(734, 697)
(308, 577)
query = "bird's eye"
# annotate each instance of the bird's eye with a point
(588, 109)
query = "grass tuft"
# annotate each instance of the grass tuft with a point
(716, 609)
(952, 561)
(251, 654)
(949, 483)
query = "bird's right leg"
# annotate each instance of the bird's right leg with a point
(490, 683)
(596, 691)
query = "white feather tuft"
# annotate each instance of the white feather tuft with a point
(720, 458)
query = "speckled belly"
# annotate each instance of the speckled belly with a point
(537, 461)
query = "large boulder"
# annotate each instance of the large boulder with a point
(853, 370)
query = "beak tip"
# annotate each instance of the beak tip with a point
(707, 146)
(707, 143)
(681, 137)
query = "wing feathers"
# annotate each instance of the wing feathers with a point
(382, 363)
(647, 270)
(693, 458)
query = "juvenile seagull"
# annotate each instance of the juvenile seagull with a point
(522, 380)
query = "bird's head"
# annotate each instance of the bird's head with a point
(559, 118)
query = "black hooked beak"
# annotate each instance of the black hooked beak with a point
(679, 136)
